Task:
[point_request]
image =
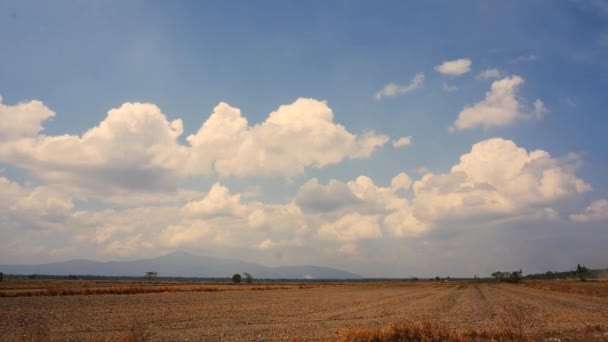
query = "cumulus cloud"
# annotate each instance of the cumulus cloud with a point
(403, 141)
(340, 203)
(136, 148)
(302, 134)
(351, 227)
(217, 202)
(497, 179)
(500, 107)
(455, 67)
(401, 181)
(394, 89)
(22, 120)
(495, 182)
(190, 234)
(314, 197)
(595, 212)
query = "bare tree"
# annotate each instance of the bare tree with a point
(150, 275)
(248, 277)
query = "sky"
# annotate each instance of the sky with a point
(390, 139)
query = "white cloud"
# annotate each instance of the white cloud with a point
(497, 179)
(403, 141)
(22, 120)
(361, 199)
(401, 181)
(217, 202)
(266, 244)
(495, 182)
(491, 73)
(455, 67)
(351, 227)
(135, 149)
(394, 89)
(500, 107)
(292, 138)
(176, 236)
(595, 212)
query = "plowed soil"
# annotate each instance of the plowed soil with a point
(295, 313)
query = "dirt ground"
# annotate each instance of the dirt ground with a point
(295, 313)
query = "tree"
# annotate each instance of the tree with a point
(151, 275)
(1, 276)
(510, 277)
(236, 278)
(248, 277)
(515, 276)
(581, 272)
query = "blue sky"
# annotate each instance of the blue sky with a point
(83, 59)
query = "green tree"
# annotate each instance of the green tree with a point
(581, 272)
(236, 278)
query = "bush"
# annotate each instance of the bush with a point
(236, 278)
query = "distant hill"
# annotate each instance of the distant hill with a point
(179, 264)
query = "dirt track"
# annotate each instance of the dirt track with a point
(295, 314)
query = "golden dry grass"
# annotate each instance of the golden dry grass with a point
(59, 291)
(595, 288)
(438, 332)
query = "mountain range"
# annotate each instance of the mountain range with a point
(179, 264)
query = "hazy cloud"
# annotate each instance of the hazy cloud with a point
(394, 89)
(403, 141)
(490, 74)
(595, 212)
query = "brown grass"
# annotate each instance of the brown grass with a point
(59, 291)
(439, 332)
(594, 288)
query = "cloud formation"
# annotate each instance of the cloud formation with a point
(497, 180)
(402, 141)
(500, 107)
(22, 120)
(295, 136)
(494, 183)
(136, 148)
(394, 89)
(455, 67)
(595, 212)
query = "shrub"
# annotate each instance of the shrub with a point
(236, 278)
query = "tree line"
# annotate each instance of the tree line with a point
(580, 272)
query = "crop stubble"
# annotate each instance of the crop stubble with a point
(297, 313)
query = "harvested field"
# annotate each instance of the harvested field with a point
(320, 312)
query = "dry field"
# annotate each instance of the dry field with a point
(458, 311)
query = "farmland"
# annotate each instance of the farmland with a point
(531, 310)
